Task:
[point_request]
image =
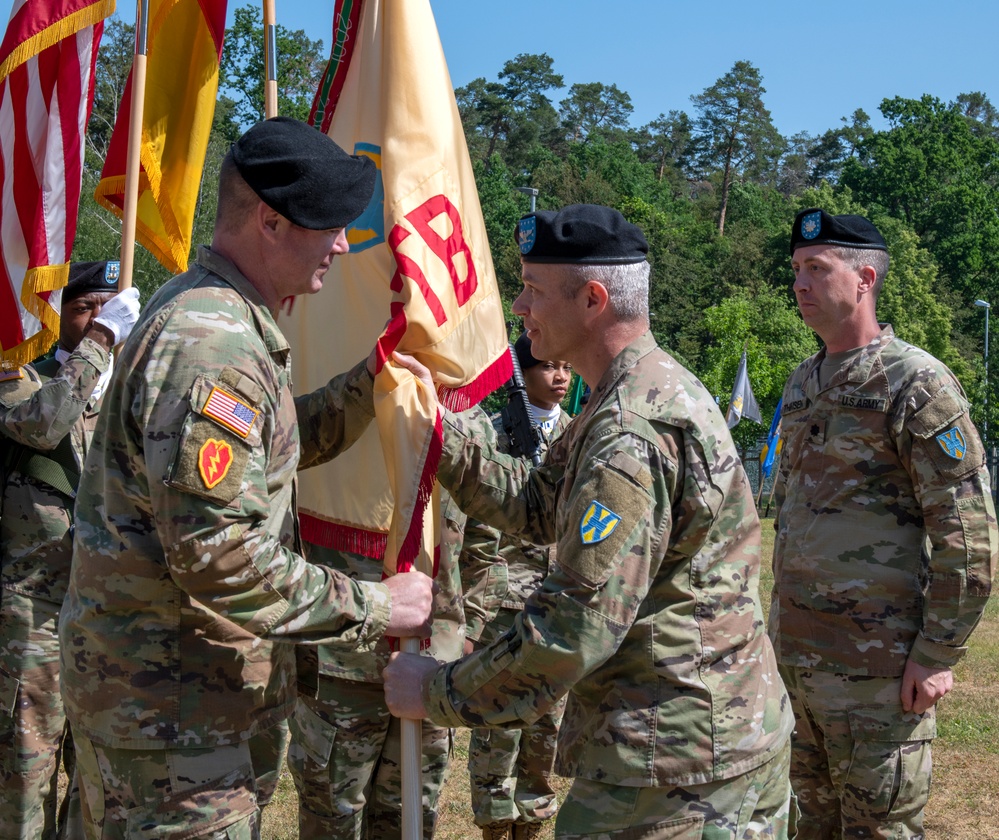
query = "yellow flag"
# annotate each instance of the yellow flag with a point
(184, 47)
(419, 262)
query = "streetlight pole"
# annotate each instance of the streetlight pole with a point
(985, 402)
(533, 193)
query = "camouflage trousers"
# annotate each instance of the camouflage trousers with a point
(860, 766)
(217, 793)
(34, 737)
(345, 759)
(510, 770)
(757, 805)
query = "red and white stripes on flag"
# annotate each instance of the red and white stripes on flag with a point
(47, 61)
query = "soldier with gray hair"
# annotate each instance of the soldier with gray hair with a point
(676, 722)
(885, 548)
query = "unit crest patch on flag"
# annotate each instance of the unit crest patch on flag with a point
(597, 524)
(953, 443)
(368, 229)
(230, 411)
(214, 460)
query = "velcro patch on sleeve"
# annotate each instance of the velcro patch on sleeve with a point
(944, 432)
(210, 462)
(229, 410)
(601, 521)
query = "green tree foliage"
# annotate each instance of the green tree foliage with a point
(114, 63)
(595, 110)
(735, 135)
(776, 341)
(300, 65)
(939, 175)
(667, 143)
(513, 114)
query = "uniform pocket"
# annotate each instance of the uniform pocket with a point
(313, 735)
(223, 802)
(9, 687)
(889, 773)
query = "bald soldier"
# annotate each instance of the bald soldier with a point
(676, 723)
(886, 543)
(188, 586)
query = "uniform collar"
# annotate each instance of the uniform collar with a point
(221, 267)
(859, 369)
(622, 363)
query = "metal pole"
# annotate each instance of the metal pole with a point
(532, 192)
(985, 400)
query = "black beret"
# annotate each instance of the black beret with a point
(87, 277)
(522, 346)
(816, 227)
(297, 170)
(580, 233)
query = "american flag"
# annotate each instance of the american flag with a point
(47, 62)
(230, 412)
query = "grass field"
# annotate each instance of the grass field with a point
(964, 800)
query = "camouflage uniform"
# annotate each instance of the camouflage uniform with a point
(509, 769)
(650, 619)
(47, 415)
(886, 537)
(345, 748)
(188, 586)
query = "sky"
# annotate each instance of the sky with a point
(820, 61)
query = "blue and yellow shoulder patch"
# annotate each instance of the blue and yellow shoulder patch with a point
(597, 524)
(11, 375)
(953, 443)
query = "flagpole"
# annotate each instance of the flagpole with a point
(133, 163)
(773, 487)
(270, 61)
(411, 731)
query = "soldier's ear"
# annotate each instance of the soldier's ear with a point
(596, 296)
(267, 221)
(868, 278)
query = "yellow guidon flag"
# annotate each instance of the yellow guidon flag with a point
(418, 279)
(184, 47)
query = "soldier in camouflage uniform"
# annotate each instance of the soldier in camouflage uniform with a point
(188, 589)
(677, 724)
(886, 539)
(509, 770)
(48, 411)
(345, 746)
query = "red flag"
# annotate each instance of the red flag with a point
(47, 63)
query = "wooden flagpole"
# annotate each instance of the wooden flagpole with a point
(133, 164)
(411, 731)
(270, 61)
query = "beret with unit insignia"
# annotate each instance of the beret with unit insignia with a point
(581, 234)
(815, 226)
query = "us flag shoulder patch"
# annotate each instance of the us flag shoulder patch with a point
(230, 411)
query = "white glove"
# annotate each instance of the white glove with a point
(120, 314)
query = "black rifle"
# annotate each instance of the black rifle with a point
(518, 422)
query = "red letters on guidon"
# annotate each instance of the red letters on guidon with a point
(445, 249)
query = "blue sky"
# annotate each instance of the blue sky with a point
(819, 60)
